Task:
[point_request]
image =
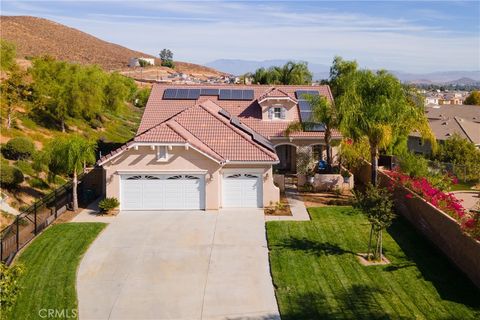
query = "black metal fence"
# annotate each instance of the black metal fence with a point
(43, 212)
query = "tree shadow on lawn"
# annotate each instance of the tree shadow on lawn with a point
(357, 302)
(312, 247)
(450, 282)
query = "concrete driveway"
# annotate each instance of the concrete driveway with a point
(178, 265)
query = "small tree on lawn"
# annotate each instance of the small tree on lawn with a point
(376, 203)
(69, 155)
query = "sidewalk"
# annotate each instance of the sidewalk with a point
(297, 207)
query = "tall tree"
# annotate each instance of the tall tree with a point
(14, 91)
(8, 53)
(166, 55)
(69, 155)
(473, 98)
(340, 69)
(376, 106)
(323, 112)
(293, 73)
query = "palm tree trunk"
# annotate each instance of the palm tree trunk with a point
(74, 189)
(374, 161)
(328, 140)
(381, 244)
(63, 125)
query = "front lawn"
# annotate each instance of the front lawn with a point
(51, 262)
(317, 275)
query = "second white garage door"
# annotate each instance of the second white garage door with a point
(242, 190)
(162, 192)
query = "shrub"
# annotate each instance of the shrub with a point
(38, 183)
(141, 97)
(108, 204)
(9, 285)
(413, 165)
(18, 148)
(95, 124)
(10, 177)
(25, 167)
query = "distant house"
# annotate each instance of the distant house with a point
(447, 120)
(135, 62)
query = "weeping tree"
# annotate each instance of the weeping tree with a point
(70, 155)
(323, 112)
(377, 106)
(377, 205)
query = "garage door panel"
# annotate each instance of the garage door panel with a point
(242, 190)
(157, 192)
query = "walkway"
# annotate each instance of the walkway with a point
(297, 207)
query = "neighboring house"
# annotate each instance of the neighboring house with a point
(445, 121)
(135, 62)
(208, 147)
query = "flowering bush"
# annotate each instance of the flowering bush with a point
(469, 221)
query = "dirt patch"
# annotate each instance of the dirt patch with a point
(321, 199)
(6, 219)
(282, 208)
(362, 258)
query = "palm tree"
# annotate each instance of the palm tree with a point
(379, 107)
(69, 155)
(323, 112)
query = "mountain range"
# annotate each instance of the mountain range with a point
(321, 71)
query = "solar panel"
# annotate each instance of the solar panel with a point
(237, 94)
(225, 94)
(264, 142)
(247, 95)
(305, 115)
(193, 94)
(182, 94)
(304, 105)
(169, 93)
(224, 113)
(209, 92)
(300, 94)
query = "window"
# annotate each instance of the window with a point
(276, 112)
(162, 154)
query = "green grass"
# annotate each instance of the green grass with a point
(51, 262)
(317, 275)
(463, 185)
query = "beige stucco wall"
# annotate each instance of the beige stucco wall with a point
(144, 159)
(181, 160)
(291, 110)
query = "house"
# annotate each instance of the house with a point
(212, 146)
(135, 62)
(445, 121)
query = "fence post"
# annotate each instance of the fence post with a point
(35, 218)
(17, 235)
(55, 202)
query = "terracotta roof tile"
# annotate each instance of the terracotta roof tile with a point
(158, 110)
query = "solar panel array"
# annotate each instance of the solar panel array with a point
(255, 136)
(306, 109)
(194, 94)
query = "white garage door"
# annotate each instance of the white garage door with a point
(162, 192)
(242, 190)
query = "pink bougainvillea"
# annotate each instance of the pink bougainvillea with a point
(444, 201)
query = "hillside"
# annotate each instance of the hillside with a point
(37, 36)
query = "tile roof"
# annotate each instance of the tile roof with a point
(447, 120)
(202, 127)
(249, 112)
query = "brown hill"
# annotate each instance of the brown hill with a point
(37, 36)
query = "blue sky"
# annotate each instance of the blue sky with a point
(411, 36)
